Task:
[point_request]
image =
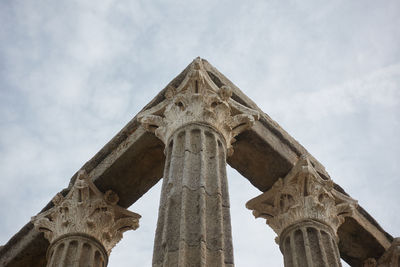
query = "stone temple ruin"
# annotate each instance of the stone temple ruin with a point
(186, 135)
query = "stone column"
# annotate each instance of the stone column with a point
(84, 226)
(305, 211)
(194, 223)
(197, 121)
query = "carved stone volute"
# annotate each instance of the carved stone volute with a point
(86, 210)
(302, 195)
(198, 100)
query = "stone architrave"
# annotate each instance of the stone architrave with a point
(391, 258)
(84, 226)
(305, 211)
(197, 123)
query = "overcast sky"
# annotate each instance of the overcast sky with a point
(73, 73)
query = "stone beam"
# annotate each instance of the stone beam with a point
(133, 161)
(267, 152)
(129, 164)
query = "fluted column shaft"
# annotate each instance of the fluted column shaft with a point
(194, 226)
(198, 122)
(309, 243)
(76, 251)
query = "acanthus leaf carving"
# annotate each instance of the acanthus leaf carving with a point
(302, 195)
(198, 100)
(86, 210)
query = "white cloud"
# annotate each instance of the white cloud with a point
(379, 89)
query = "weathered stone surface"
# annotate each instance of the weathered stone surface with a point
(267, 152)
(133, 161)
(198, 122)
(370, 262)
(85, 210)
(357, 243)
(84, 226)
(309, 243)
(302, 195)
(76, 250)
(391, 257)
(305, 211)
(198, 100)
(194, 223)
(26, 248)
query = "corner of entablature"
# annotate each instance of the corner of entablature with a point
(198, 100)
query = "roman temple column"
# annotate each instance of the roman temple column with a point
(305, 211)
(84, 226)
(197, 122)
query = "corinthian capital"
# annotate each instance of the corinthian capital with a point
(86, 210)
(198, 100)
(302, 195)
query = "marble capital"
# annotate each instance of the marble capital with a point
(302, 195)
(198, 100)
(86, 211)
